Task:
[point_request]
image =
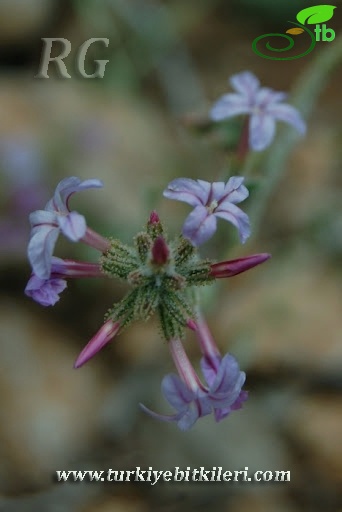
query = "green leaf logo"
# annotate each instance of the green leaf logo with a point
(316, 14)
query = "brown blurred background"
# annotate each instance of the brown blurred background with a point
(140, 126)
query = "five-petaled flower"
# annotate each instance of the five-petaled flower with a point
(211, 200)
(191, 398)
(262, 104)
(55, 218)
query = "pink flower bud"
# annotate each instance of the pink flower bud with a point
(233, 267)
(160, 251)
(154, 218)
(105, 334)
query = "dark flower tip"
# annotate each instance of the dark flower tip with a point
(160, 251)
(154, 218)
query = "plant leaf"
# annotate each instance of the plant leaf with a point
(295, 31)
(316, 14)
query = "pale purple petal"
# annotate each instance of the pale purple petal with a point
(209, 368)
(42, 217)
(289, 115)
(40, 249)
(222, 413)
(199, 226)
(229, 105)
(161, 417)
(189, 418)
(266, 96)
(234, 191)
(176, 392)
(187, 190)
(45, 291)
(216, 192)
(245, 83)
(73, 226)
(228, 376)
(237, 217)
(261, 131)
(65, 189)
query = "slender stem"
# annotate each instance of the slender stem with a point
(243, 147)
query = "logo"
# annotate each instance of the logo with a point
(316, 15)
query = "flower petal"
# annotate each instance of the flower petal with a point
(227, 376)
(40, 249)
(65, 189)
(187, 190)
(222, 413)
(199, 226)
(189, 418)
(228, 383)
(266, 97)
(237, 217)
(176, 392)
(289, 115)
(45, 291)
(261, 131)
(234, 191)
(73, 226)
(229, 105)
(245, 83)
(209, 368)
(161, 417)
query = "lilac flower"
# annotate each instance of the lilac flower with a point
(46, 291)
(191, 398)
(211, 366)
(55, 218)
(105, 334)
(210, 200)
(263, 105)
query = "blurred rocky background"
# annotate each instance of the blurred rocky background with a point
(140, 126)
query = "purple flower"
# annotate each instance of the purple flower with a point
(264, 106)
(55, 218)
(210, 200)
(46, 291)
(191, 398)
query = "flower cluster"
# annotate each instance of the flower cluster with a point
(162, 274)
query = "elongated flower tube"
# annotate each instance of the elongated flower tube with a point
(46, 291)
